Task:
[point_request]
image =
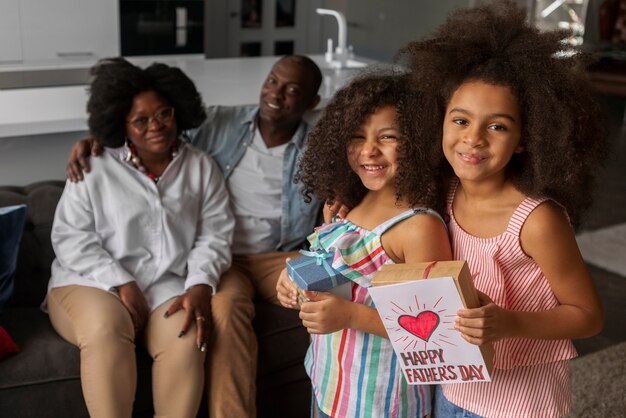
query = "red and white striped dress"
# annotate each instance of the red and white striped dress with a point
(530, 377)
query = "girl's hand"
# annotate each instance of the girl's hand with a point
(197, 305)
(286, 290)
(330, 210)
(135, 303)
(325, 313)
(485, 324)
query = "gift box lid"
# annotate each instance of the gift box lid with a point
(457, 269)
(314, 271)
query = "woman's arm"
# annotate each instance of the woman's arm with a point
(78, 247)
(210, 255)
(548, 238)
(76, 243)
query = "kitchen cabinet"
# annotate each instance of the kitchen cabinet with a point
(10, 37)
(31, 119)
(226, 81)
(269, 27)
(59, 30)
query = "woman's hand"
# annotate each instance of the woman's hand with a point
(78, 160)
(135, 303)
(286, 290)
(197, 305)
(325, 313)
(486, 324)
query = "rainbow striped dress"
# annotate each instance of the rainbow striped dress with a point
(354, 373)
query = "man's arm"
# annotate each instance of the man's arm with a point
(78, 160)
(204, 136)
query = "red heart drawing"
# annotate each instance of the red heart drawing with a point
(422, 326)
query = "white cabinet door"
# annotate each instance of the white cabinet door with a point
(69, 29)
(10, 36)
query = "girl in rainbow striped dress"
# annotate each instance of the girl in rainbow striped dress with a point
(520, 133)
(371, 149)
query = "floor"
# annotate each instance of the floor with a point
(609, 208)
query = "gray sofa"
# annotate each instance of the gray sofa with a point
(43, 380)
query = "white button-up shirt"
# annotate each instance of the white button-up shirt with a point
(118, 226)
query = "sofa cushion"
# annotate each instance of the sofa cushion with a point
(47, 370)
(42, 348)
(283, 387)
(7, 345)
(11, 227)
(283, 340)
(35, 252)
(44, 375)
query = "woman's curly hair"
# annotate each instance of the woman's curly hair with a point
(562, 132)
(116, 82)
(324, 170)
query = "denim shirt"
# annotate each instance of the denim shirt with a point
(226, 133)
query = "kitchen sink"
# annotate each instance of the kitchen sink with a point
(355, 64)
(348, 65)
(20, 79)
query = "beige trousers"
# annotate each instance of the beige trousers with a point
(97, 322)
(232, 360)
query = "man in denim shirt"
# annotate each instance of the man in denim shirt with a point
(257, 148)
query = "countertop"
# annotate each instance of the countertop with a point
(226, 81)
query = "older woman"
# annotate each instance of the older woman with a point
(141, 243)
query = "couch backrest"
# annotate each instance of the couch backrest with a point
(35, 255)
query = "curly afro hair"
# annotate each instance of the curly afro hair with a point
(562, 132)
(324, 170)
(116, 82)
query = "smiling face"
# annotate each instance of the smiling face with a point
(288, 92)
(372, 150)
(481, 131)
(154, 139)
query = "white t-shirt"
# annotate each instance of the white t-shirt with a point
(255, 188)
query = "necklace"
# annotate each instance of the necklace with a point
(133, 158)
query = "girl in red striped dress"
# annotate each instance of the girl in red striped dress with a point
(521, 139)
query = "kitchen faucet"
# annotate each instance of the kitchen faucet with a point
(339, 58)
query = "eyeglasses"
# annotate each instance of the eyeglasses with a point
(164, 116)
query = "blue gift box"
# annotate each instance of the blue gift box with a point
(314, 271)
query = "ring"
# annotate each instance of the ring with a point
(200, 318)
